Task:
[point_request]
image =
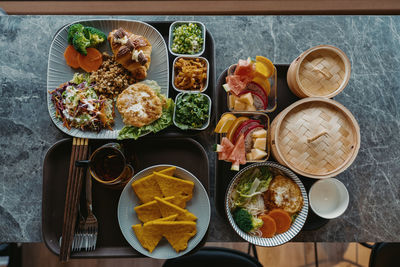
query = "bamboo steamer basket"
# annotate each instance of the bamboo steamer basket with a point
(321, 71)
(315, 137)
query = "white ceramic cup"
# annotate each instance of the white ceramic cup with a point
(328, 198)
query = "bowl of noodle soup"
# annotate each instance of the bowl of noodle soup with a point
(259, 192)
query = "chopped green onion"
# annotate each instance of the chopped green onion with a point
(187, 39)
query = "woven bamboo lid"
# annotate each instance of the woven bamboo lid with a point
(315, 137)
(321, 71)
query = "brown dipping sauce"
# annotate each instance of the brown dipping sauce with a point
(108, 164)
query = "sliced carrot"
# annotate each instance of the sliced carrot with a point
(92, 61)
(71, 56)
(269, 227)
(282, 220)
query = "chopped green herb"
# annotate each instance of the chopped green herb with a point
(191, 111)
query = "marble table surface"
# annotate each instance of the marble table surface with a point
(372, 44)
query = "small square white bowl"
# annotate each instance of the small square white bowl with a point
(209, 111)
(189, 91)
(171, 37)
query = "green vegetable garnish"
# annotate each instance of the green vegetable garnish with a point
(80, 43)
(95, 36)
(191, 110)
(82, 37)
(72, 30)
(245, 221)
(187, 39)
(80, 78)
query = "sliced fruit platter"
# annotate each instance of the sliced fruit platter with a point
(243, 138)
(251, 85)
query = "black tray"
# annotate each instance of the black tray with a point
(141, 154)
(223, 173)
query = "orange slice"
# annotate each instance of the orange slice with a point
(235, 125)
(225, 123)
(268, 69)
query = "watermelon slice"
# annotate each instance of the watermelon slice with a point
(225, 149)
(238, 154)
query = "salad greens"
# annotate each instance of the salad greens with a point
(163, 122)
(191, 111)
(252, 184)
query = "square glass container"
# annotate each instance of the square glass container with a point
(271, 98)
(264, 121)
(188, 91)
(209, 111)
(171, 37)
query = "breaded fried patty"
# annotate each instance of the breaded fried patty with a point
(285, 194)
(139, 105)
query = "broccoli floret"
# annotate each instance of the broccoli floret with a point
(76, 28)
(245, 221)
(95, 36)
(257, 223)
(80, 43)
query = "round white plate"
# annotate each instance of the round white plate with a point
(199, 205)
(59, 72)
(278, 239)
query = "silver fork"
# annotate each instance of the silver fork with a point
(91, 227)
(78, 240)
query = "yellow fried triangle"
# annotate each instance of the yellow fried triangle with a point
(172, 186)
(149, 211)
(168, 209)
(177, 233)
(148, 234)
(147, 188)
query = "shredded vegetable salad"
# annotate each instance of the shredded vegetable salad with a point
(78, 105)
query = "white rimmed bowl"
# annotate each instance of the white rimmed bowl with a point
(329, 198)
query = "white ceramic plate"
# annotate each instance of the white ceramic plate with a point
(199, 205)
(278, 239)
(59, 72)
